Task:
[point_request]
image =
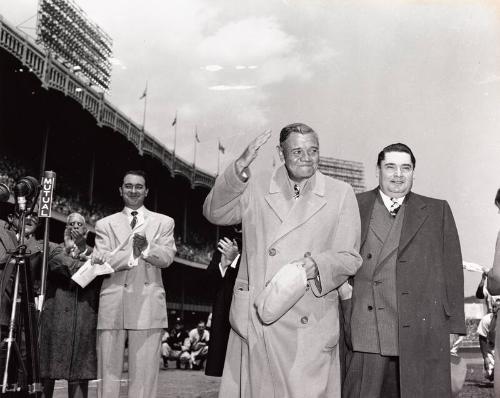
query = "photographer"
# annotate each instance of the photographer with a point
(69, 316)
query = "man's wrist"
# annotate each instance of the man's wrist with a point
(240, 168)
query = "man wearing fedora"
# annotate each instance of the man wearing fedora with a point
(300, 243)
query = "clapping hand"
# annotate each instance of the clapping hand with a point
(79, 239)
(139, 244)
(229, 251)
(97, 258)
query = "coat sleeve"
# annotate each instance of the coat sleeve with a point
(453, 272)
(494, 274)
(162, 249)
(222, 205)
(342, 260)
(103, 244)
(213, 272)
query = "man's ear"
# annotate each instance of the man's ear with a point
(121, 191)
(280, 153)
(146, 191)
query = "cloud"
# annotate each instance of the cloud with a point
(225, 88)
(492, 78)
(212, 68)
(250, 39)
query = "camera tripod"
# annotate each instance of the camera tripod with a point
(21, 377)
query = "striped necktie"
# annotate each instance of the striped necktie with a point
(395, 206)
(134, 219)
(296, 191)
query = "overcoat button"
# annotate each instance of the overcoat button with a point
(125, 285)
(369, 255)
(370, 308)
(272, 251)
(304, 320)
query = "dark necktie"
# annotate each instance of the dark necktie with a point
(134, 219)
(395, 206)
(296, 191)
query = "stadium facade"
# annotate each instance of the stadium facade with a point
(345, 170)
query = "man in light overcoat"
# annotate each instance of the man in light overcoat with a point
(408, 297)
(296, 215)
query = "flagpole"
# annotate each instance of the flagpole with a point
(175, 141)
(218, 156)
(195, 142)
(145, 107)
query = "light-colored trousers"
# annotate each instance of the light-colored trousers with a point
(143, 362)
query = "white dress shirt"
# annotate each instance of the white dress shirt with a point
(388, 200)
(133, 261)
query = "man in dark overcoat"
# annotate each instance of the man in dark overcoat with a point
(69, 316)
(222, 272)
(408, 300)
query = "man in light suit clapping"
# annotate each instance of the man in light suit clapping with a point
(137, 243)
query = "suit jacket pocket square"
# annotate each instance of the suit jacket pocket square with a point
(281, 293)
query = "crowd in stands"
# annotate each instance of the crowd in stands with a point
(196, 249)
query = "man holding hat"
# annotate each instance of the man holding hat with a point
(300, 243)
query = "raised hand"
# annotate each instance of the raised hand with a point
(251, 151)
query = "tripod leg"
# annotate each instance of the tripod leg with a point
(30, 317)
(10, 337)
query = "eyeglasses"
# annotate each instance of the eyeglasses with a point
(75, 223)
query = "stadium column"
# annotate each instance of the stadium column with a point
(184, 223)
(91, 180)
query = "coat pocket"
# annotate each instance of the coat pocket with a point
(238, 313)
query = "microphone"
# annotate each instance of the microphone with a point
(25, 189)
(4, 193)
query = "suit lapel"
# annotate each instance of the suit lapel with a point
(151, 225)
(415, 216)
(121, 227)
(365, 211)
(301, 209)
(277, 198)
(391, 243)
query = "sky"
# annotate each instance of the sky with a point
(363, 74)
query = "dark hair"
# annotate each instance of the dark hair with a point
(140, 173)
(300, 128)
(497, 198)
(399, 147)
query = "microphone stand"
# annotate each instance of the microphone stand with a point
(23, 294)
